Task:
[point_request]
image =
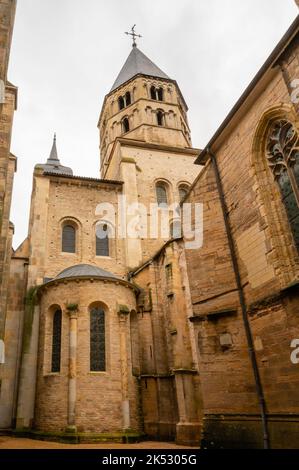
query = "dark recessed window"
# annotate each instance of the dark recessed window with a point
(56, 341)
(121, 103)
(153, 92)
(128, 98)
(68, 239)
(157, 93)
(160, 118)
(125, 125)
(97, 340)
(160, 94)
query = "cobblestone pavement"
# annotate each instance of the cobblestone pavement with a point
(7, 442)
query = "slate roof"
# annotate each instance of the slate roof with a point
(85, 270)
(137, 63)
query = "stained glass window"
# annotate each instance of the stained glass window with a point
(56, 342)
(97, 339)
(283, 159)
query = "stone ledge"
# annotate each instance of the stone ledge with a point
(213, 315)
(79, 437)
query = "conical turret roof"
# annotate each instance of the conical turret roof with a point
(53, 164)
(137, 63)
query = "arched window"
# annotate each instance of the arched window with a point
(175, 229)
(56, 341)
(125, 125)
(160, 94)
(283, 159)
(68, 239)
(153, 92)
(161, 193)
(102, 240)
(128, 98)
(160, 118)
(183, 190)
(121, 103)
(157, 93)
(97, 339)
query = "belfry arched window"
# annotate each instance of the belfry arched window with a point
(56, 341)
(102, 240)
(121, 102)
(283, 159)
(125, 125)
(68, 238)
(157, 93)
(97, 339)
(160, 118)
(128, 98)
(124, 101)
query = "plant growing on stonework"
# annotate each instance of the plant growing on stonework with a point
(72, 307)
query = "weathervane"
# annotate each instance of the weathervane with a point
(134, 35)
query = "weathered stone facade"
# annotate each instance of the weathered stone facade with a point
(248, 198)
(197, 341)
(8, 102)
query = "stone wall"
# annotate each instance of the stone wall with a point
(56, 200)
(99, 395)
(268, 265)
(170, 388)
(7, 107)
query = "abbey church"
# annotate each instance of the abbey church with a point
(106, 336)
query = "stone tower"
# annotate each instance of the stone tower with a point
(8, 102)
(145, 141)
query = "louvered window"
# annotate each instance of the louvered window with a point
(97, 340)
(56, 342)
(283, 159)
(161, 194)
(69, 239)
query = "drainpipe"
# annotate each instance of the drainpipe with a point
(251, 351)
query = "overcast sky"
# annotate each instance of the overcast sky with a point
(66, 55)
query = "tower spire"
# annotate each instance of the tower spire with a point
(134, 35)
(53, 155)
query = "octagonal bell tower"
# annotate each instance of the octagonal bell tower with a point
(145, 141)
(143, 104)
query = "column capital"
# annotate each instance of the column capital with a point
(72, 309)
(123, 312)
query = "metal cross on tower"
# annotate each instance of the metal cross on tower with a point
(134, 35)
